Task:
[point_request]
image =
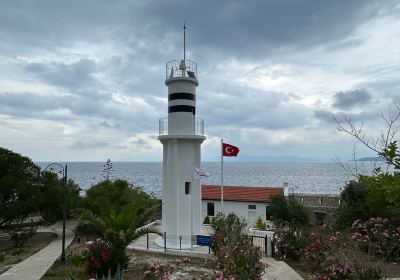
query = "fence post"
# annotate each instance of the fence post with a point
(165, 241)
(269, 247)
(147, 241)
(272, 249)
(180, 242)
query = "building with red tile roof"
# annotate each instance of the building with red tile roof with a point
(245, 201)
(240, 193)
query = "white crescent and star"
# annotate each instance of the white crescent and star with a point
(228, 150)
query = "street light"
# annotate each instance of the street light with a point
(64, 174)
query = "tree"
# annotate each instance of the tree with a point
(25, 191)
(237, 258)
(354, 206)
(289, 211)
(385, 144)
(119, 225)
(107, 169)
(115, 195)
(52, 197)
(19, 188)
(383, 198)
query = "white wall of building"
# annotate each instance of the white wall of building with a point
(241, 209)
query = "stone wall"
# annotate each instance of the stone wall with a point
(322, 206)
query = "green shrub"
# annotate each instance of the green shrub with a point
(289, 210)
(237, 258)
(260, 224)
(206, 220)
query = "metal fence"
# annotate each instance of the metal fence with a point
(263, 241)
(198, 126)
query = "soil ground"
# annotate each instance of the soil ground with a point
(197, 268)
(10, 255)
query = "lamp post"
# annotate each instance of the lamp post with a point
(64, 174)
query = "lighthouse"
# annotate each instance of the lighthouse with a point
(181, 134)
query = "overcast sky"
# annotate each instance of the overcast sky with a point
(84, 80)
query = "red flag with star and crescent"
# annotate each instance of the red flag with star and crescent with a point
(229, 150)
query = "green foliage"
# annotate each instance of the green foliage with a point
(117, 212)
(371, 196)
(380, 193)
(118, 275)
(236, 255)
(391, 154)
(114, 195)
(230, 225)
(260, 224)
(19, 192)
(384, 197)
(20, 233)
(24, 191)
(289, 210)
(206, 220)
(354, 204)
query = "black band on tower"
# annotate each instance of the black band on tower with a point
(181, 95)
(182, 108)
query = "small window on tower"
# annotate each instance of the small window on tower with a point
(187, 187)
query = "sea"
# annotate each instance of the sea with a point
(302, 177)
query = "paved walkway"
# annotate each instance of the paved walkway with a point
(280, 270)
(35, 266)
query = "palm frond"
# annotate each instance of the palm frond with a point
(133, 235)
(93, 221)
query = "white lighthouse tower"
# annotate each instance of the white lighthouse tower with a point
(181, 135)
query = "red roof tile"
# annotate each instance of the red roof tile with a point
(239, 193)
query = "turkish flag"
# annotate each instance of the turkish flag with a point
(229, 151)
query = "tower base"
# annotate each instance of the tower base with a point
(176, 243)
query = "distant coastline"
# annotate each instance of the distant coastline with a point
(371, 159)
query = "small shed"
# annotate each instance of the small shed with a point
(245, 201)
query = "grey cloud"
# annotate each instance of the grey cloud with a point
(37, 106)
(260, 27)
(88, 145)
(329, 117)
(244, 108)
(351, 98)
(142, 143)
(240, 28)
(75, 76)
(106, 124)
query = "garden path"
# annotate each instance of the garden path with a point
(35, 266)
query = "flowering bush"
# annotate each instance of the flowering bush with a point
(378, 236)
(158, 271)
(98, 259)
(338, 257)
(288, 241)
(237, 258)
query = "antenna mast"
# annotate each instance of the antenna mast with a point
(184, 41)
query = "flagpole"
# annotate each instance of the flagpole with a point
(222, 176)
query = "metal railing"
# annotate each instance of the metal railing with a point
(198, 126)
(174, 68)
